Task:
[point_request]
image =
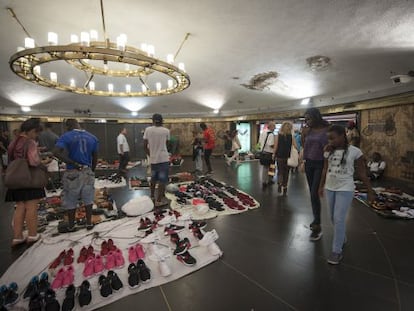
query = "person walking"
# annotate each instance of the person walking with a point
(337, 182)
(283, 145)
(267, 142)
(235, 147)
(123, 152)
(209, 144)
(27, 200)
(156, 138)
(198, 155)
(314, 139)
(79, 150)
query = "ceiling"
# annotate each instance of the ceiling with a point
(231, 42)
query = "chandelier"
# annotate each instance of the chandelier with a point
(99, 60)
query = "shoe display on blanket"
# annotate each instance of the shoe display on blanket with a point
(164, 268)
(82, 255)
(51, 303)
(110, 261)
(85, 295)
(104, 248)
(182, 246)
(36, 302)
(150, 238)
(89, 269)
(31, 288)
(144, 225)
(168, 220)
(68, 260)
(44, 284)
(187, 259)
(69, 301)
(209, 238)
(98, 266)
(143, 271)
(132, 254)
(170, 229)
(68, 277)
(111, 245)
(139, 251)
(119, 259)
(105, 288)
(58, 280)
(114, 280)
(133, 276)
(198, 233)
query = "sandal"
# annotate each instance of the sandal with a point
(33, 239)
(17, 242)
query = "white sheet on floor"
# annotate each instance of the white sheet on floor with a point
(124, 233)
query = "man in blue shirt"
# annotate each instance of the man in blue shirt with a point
(79, 150)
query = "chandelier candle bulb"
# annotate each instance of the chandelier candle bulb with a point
(120, 43)
(128, 88)
(52, 38)
(170, 58)
(144, 88)
(110, 87)
(93, 35)
(92, 86)
(72, 83)
(151, 50)
(29, 43)
(170, 84)
(53, 77)
(127, 67)
(36, 70)
(181, 66)
(84, 38)
(74, 38)
(144, 47)
(158, 86)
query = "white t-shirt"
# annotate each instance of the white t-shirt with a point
(121, 140)
(269, 142)
(157, 137)
(374, 167)
(340, 177)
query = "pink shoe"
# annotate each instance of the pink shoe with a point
(132, 255)
(83, 255)
(68, 277)
(98, 266)
(140, 251)
(104, 248)
(91, 251)
(110, 261)
(111, 245)
(58, 281)
(88, 270)
(119, 259)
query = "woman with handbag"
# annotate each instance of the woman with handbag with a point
(283, 147)
(267, 144)
(27, 199)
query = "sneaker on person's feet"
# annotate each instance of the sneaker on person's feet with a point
(315, 235)
(334, 258)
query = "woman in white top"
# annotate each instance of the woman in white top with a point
(267, 142)
(235, 146)
(337, 179)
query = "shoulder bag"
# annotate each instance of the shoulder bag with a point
(293, 160)
(20, 175)
(266, 158)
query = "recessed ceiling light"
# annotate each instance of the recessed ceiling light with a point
(216, 111)
(134, 113)
(305, 101)
(26, 108)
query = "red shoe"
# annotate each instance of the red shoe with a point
(55, 263)
(83, 255)
(89, 270)
(132, 255)
(139, 250)
(58, 281)
(68, 277)
(119, 259)
(111, 245)
(91, 252)
(104, 248)
(68, 260)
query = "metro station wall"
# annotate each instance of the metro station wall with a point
(390, 131)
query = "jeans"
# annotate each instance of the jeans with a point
(207, 154)
(313, 170)
(123, 161)
(198, 162)
(339, 203)
(78, 185)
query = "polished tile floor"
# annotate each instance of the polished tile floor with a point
(269, 263)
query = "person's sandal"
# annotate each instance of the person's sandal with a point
(33, 239)
(17, 242)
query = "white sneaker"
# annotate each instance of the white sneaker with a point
(168, 220)
(164, 268)
(151, 238)
(208, 238)
(214, 249)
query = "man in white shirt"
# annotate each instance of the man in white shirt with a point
(156, 138)
(123, 151)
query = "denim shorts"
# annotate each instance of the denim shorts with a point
(159, 172)
(78, 186)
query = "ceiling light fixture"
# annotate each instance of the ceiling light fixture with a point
(305, 101)
(99, 58)
(26, 108)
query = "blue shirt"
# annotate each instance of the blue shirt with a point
(80, 146)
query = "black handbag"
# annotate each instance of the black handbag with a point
(266, 158)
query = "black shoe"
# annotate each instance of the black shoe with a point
(144, 272)
(182, 246)
(197, 225)
(9, 294)
(85, 295)
(51, 304)
(31, 288)
(187, 259)
(116, 283)
(36, 302)
(133, 276)
(44, 284)
(104, 286)
(69, 301)
(279, 188)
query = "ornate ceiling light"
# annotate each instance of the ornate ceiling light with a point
(97, 59)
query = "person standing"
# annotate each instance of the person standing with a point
(47, 138)
(283, 145)
(267, 142)
(27, 200)
(235, 147)
(123, 151)
(79, 150)
(156, 138)
(209, 144)
(198, 155)
(338, 182)
(352, 134)
(314, 139)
